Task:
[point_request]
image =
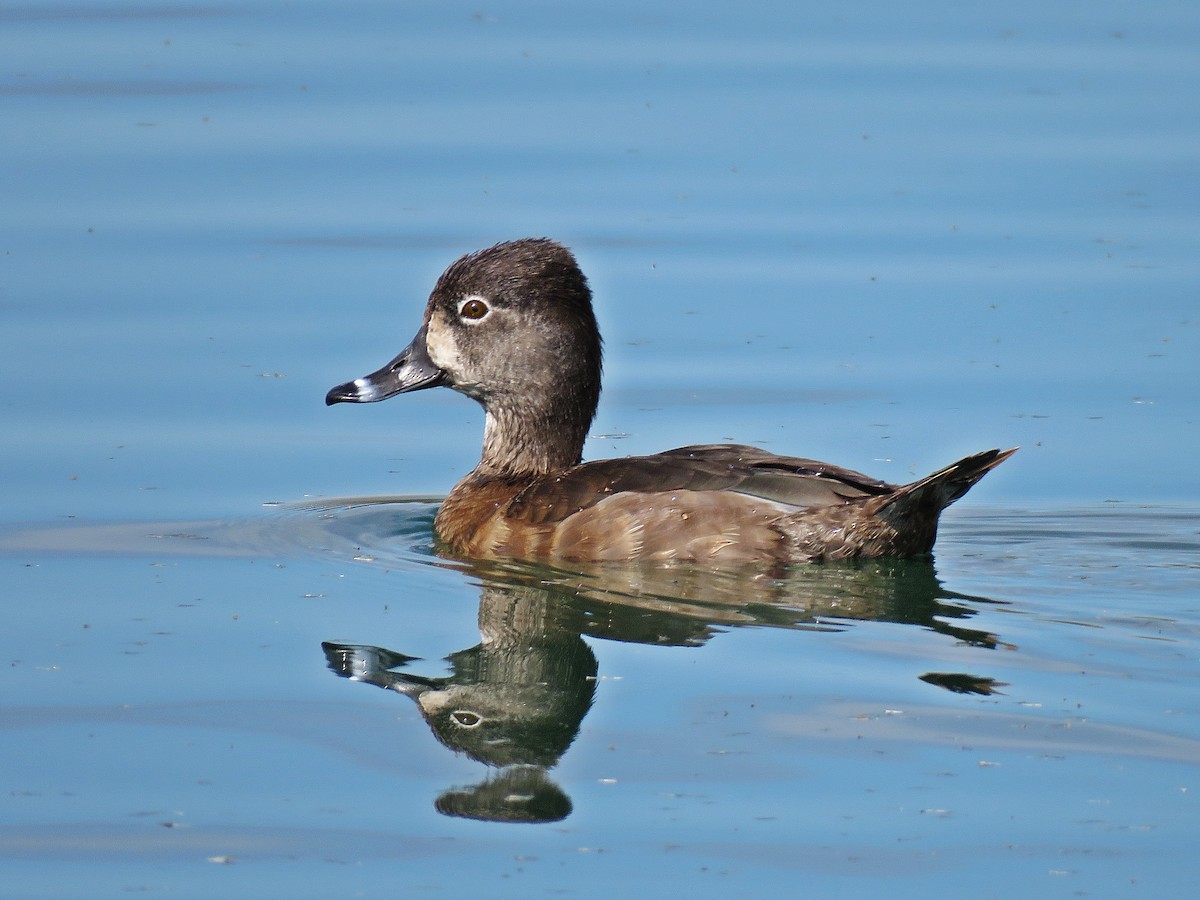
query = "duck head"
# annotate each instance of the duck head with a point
(512, 327)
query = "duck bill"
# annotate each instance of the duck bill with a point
(411, 685)
(412, 370)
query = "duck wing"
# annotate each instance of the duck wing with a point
(790, 481)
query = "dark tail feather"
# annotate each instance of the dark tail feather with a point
(935, 492)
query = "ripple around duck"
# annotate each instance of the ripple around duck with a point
(396, 534)
(1028, 564)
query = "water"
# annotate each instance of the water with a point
(882, 237)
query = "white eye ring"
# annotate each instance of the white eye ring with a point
(474, 308)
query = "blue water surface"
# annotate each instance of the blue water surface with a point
(884, 235)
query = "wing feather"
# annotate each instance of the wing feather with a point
(792, 482)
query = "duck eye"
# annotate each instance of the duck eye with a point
(466, 718)
(474, 308)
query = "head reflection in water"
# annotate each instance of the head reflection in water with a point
(514, 701)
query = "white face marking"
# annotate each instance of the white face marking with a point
(440, 345)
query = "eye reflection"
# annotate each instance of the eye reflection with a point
(466, 718)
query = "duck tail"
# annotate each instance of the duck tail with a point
(933, 493)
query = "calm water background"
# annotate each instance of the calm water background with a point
(885, 237)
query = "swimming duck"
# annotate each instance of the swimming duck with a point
(512, 327)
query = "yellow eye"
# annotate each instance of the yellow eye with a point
(474, 308)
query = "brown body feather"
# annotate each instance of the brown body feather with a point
(719, 504)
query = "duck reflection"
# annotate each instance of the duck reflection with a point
(516, 700)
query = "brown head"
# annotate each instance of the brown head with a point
(512, 327)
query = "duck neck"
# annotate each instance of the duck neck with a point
(517, 444)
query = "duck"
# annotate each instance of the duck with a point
(512, 327)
